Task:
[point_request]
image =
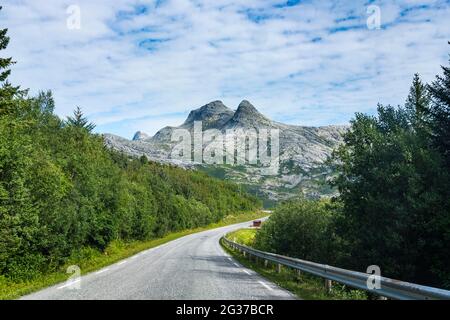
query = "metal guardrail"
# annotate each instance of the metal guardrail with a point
(389, 288)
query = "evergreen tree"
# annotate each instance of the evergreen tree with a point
(440, 113)
(80, 121)
(7, 91)
(418, 105)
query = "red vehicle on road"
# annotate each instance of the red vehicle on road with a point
(257, 224)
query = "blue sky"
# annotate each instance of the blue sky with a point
(141, 65)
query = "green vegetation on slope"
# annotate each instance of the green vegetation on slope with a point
(64, 194)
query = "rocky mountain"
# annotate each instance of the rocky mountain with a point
(302, 151)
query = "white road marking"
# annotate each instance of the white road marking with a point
(101, 271)
(69, 284)
(122, 262)
(246, 272)
(236, 264)
(265, 285)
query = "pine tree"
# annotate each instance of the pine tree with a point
(440, 112)
(80, 121)
(7, 91)
(418, 105)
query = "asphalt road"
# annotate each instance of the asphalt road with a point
(193, 267)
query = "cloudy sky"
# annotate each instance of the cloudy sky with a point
(143, 64)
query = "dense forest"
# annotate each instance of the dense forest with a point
(393, 208)
(62, 190)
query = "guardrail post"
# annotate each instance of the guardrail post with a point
(266, 263)
(328, 285)
(279, 267)
(298, 275)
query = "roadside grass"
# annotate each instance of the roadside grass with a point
(304, 286)
(89, 259)
(243, 236)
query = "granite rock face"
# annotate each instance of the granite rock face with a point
(302, 152)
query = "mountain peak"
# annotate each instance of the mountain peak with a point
(247, 115)
(139, 136)
(246, 109)
(246, 105)
(212, 114)
(212, 107)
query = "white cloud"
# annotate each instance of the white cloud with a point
(312, 64)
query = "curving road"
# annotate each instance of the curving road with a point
(193, 267)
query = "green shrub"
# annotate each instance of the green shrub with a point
(300, 228)
(27, 266)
